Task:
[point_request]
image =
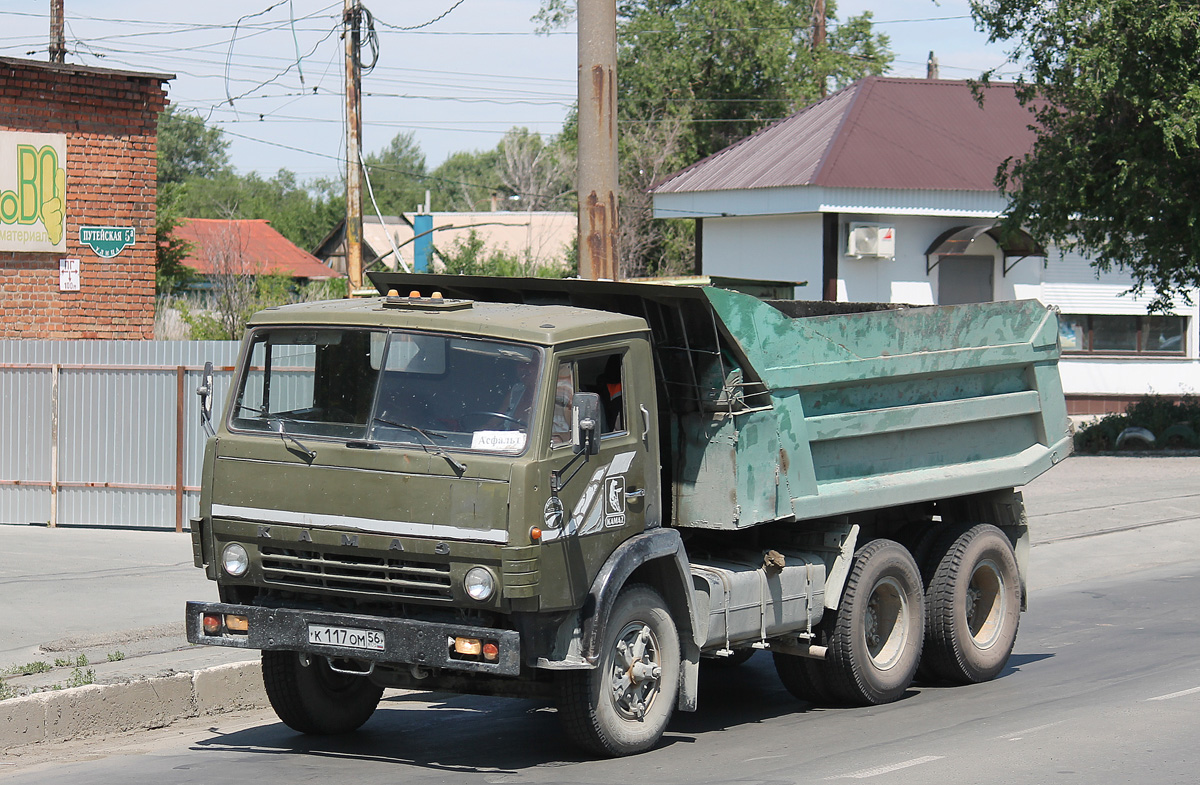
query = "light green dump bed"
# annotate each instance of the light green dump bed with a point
(858, 411)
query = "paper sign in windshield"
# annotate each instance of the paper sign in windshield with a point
(498, 441)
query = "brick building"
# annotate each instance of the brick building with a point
(77, 193)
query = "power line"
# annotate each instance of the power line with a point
(436, 19)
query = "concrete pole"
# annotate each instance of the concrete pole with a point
(597, 174)
(58, 46)
(354, 223)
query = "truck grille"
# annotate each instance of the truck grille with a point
(396, 578)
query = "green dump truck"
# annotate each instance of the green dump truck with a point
(588, 491)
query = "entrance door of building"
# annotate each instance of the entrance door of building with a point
(965, 279)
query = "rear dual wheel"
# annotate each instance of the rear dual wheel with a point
(874, 640)
(973, 603)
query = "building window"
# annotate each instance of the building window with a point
(1119, 334)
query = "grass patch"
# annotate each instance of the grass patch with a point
(81, 677)
(6, 691)
(27, 669)
(116, 656)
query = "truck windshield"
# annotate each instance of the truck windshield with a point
(389, 387)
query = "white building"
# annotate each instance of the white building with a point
(884, 192)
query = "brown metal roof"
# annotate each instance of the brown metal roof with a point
(246, 247)
(927, 134)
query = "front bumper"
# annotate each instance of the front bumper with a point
(406, 642)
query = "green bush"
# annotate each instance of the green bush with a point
(1174, 422)
(469, 256)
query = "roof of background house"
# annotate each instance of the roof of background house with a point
(927, 134)
(251, 247)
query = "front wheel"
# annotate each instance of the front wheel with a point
(623, 705)
(314, 698)
(877, 634)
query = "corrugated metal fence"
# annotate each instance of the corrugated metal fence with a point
(104, 433)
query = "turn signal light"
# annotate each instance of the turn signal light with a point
(467, 646)
(212, 624)
(235, 623)
(535, 534)
(491, 652)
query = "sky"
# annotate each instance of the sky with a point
(270, 74)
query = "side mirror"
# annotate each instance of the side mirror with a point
(585, 423)
(205, 391)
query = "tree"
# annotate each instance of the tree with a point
(398, 176)
(1114, 87)
(171, 275)
(302, 212)
(188, 148)
(539, 174)
(467, 180)
(694, 76)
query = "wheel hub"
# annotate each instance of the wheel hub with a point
(986, 601)
(636, 671)
(885, 624)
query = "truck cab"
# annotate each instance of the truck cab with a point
(401, 485)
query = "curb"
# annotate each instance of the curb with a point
(103, 709)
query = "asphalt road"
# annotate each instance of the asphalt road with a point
(1103, 687)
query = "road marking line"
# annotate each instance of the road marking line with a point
(1179, 694)
(764, 757)
(1027, 731)
(875, 772)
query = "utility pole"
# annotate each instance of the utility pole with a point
(597, 173)
(818, 41)
(58, 46)
(351, 14)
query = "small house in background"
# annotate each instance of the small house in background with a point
(246, 247)
(885, 192)
(542, 237)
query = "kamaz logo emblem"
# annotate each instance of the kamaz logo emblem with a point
(614, 500)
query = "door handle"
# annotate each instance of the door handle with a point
(645, 424)
(636, 493)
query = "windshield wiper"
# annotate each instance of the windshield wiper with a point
(459, 467)
(277, 424)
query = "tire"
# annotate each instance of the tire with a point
(973, 607)
(804, 678)
(314, 698)
(877, 634)
(604, 710)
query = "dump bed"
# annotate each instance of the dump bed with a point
(800, 410)
(869, 410)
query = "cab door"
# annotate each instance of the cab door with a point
(606, 499)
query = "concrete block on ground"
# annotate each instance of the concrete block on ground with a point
(96, 710)
(237, 686)
(22, 721)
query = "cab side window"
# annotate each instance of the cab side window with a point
(564, 396)
(603, 375)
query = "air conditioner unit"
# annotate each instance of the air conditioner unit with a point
(872, 241)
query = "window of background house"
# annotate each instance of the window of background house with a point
(1120, 334)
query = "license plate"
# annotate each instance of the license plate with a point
(349, 637)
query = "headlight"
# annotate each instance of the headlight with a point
(235, 560)
(479, 583)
